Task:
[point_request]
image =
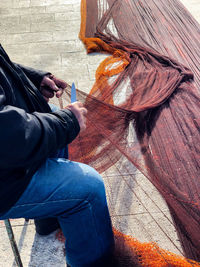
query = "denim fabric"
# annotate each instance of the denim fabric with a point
(75, 194)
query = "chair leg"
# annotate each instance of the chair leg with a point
(13, 243)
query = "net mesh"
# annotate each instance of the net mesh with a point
(144, 106)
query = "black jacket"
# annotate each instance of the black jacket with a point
(29, 131)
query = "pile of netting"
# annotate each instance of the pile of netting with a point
(154, 55)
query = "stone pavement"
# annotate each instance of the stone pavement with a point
(44, 34)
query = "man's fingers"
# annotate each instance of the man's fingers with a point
(48, 93)
(82, 123)
(49, 83)
(59, 93)
(84, 111)
(80, 113)
(60, 83)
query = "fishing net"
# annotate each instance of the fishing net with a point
(144, 106)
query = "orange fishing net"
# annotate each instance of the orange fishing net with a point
(143, 254)
(155, 124)
(149, 254)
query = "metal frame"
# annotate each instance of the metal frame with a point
(13, 243)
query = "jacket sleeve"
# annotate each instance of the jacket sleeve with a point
(36, 76)
(30, 138)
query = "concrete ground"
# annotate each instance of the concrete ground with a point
(44, 34)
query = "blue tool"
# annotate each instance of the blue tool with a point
(73, 93)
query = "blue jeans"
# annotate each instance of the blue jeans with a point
(74, 193)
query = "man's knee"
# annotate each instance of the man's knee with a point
(91, 183)
(97, 188)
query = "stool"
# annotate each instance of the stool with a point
(13, 242)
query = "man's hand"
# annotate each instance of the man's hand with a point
(51, 85)
(79, 112)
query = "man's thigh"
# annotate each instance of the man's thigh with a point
(57, 187)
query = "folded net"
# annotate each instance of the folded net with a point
(144, 105)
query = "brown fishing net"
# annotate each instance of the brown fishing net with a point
(144, 106)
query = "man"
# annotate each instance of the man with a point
(35, 182)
